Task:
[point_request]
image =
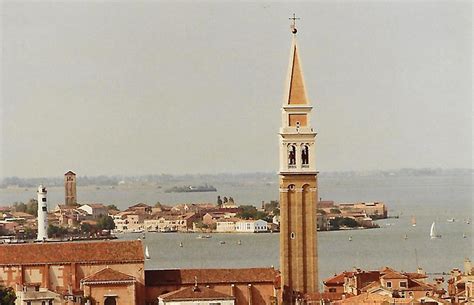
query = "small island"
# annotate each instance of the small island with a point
(191, 188)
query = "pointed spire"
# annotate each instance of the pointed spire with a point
(296, 88)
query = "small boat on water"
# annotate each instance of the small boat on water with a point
(137, 231)
(450, 220)
(239, 242)
(181, 244)
(413, 221)
(350, 238)
(222, 242)
(147, 253)
(203, 236)
(406, 236)
(464, 235)
(433, 233)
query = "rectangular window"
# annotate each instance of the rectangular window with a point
(332, 289)
(403, 284)
(44, 209)
(389, 284)
(43, 199)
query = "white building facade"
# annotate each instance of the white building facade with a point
(251, 226)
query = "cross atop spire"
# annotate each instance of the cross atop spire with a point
(293, 25)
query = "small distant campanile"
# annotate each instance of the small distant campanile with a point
(70, 188)
(42, 214)
(298, 187)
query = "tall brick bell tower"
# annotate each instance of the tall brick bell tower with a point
(298, 187)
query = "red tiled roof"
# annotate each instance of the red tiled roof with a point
(338, 279)
(108, 275)
(393, 275)
(195, 293)
(72, 252)
(209, 276)
(139, 205)
(419, 286)
(415, 275)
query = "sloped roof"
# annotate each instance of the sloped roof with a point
(366, 298)
(393, 275)
(195, 293)
(297, 93)
(209, 276)
(108, 275)
(338, 279)
(72, 252)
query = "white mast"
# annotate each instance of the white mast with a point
(42, 214)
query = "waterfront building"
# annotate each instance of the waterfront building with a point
(298, 187)
(375, 210)
(94, 210)
(226, 225)
(251, 226)
(74, 270)
(128, 221)
(70, 191)
(140, 208)
(42, 213)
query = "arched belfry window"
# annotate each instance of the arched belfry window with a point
(110, 301)
(305, 154)
(291, 154)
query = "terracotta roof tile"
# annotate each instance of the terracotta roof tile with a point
(393, 275)
(108, 275)
(70, 252)
(338, 279)
(195, 293)
(209, 276)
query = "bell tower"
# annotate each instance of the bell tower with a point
(298, 186)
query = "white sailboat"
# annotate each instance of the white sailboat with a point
(433, 233)
(147, 253)
(413, 221)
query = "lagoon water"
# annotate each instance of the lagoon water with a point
(429, 198)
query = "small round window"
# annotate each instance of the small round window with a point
(292, 235)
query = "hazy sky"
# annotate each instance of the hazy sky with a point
(126, 87)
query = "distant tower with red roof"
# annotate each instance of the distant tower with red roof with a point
(70, 188)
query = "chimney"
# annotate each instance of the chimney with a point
(468, 267)
(420, 270)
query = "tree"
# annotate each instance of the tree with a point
(106, 223)
(7, 296)
(225, 200)
(32, 207)
(219, 201)
(86, 228)
(56, 231)
(112, 207)
(19, 207)
(158, 205)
